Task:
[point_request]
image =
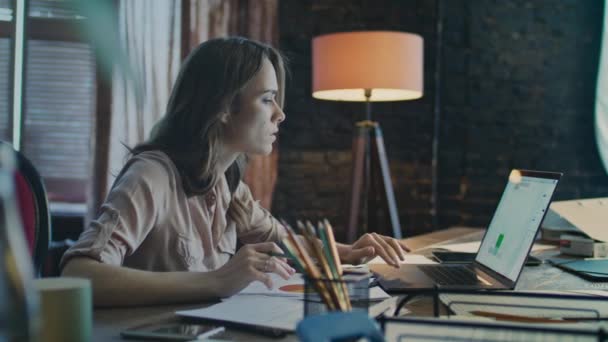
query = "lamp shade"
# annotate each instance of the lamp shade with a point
(388, 63)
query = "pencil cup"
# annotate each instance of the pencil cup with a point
(322, 295)
(67, 309)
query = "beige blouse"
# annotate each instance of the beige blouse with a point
(147, 222)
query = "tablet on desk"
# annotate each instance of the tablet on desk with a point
(173, 331)
(589, 269)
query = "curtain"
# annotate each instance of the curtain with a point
(156, 35)
(255, 19)
(150, 32)
(601, 97)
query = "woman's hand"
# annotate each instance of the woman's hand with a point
(252, 262)
(371, 245)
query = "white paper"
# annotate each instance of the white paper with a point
(291, 287)
(409, 259)
(267, 311)
(599, 293)
(473, 247)
(264, 311)
(529, 306)
(589, 215)
(279, 284)
(432, 330)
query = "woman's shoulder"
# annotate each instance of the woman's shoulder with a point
(153, 157)
(152, 166)
(154, 160)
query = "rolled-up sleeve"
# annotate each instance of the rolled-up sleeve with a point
(261, 226)
(127, 216)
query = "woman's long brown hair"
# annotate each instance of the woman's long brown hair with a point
(191, 133)
(209, 83)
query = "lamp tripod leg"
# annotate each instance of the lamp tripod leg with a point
(382, 177)
(371, 182)
(360, 140)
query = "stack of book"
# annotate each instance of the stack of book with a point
(578, 226)
(554, 226)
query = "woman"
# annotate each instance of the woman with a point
(178, 205)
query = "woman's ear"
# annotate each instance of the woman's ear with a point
(224, 117)
(228, 111)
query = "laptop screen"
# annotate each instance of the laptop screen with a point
(516, 221)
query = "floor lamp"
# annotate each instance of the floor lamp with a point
(369, 66)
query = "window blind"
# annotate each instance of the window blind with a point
(59, 97)
(6, 15)
(59, 105)
(6, 11)
(5, 87)
(53, 9)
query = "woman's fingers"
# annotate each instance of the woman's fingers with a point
(274, 265)
(266, 247)
(262, 277)
(387, 249)
(362, 255)
(282, 268)
(379, 249)
(397, 247)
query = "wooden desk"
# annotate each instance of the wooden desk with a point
(453, 234)
(542, 277)
(108, 323)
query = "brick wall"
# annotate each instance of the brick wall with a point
(517, 84)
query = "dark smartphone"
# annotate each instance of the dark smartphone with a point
(173, 331)
(447, 257)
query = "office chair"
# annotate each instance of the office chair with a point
(33, 206)
(338, 326)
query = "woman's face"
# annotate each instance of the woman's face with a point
(253, 128)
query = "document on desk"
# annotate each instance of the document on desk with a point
(589, 215)
(409, 259)
(294, 288)
(473, 247)
(530, 307)
(272, 312)
(260, 311)
(435, 330)
(281, 307)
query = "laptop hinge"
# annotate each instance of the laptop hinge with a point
(501, 278)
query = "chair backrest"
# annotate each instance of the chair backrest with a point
(34, 210)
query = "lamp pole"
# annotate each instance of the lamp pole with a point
(368, 126)
(368, 104)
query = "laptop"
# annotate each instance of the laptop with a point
(504, 247)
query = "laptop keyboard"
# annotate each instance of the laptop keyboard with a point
(452, 275)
